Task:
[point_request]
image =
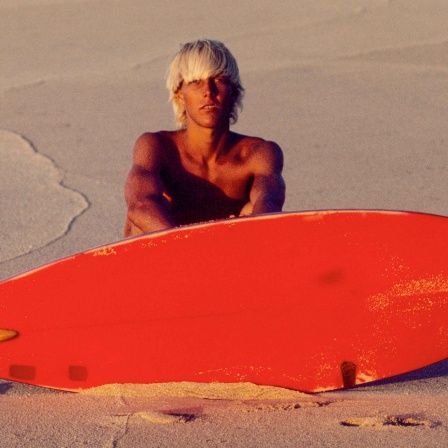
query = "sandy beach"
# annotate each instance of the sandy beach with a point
(356, 94)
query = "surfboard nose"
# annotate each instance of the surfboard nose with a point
(6, 334)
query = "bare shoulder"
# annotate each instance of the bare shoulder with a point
(155, 140)
(263, 153)
(151, 148)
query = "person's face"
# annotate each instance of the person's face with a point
(208, 102)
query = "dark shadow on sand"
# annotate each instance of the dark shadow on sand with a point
(4, 387)
(436, 370)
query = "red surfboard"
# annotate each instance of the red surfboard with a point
(309, 301)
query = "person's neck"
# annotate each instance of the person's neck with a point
(206, 145)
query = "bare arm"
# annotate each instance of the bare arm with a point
(267, 194)
(148, 209)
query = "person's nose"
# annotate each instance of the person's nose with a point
(209, 87)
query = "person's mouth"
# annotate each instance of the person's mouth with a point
(210, 106)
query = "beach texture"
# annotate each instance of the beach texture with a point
(356, 94)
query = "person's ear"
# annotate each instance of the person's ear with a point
(180, 95)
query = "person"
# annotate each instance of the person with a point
(202, 171)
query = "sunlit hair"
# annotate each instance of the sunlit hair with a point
(202, 59)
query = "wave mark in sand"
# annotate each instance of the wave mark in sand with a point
(388, 420)
(36, 208)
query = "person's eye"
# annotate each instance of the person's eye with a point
(194, 82)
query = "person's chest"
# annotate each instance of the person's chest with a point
(195, 182)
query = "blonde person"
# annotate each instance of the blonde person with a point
(202, 171)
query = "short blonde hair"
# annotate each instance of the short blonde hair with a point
(202, 59)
